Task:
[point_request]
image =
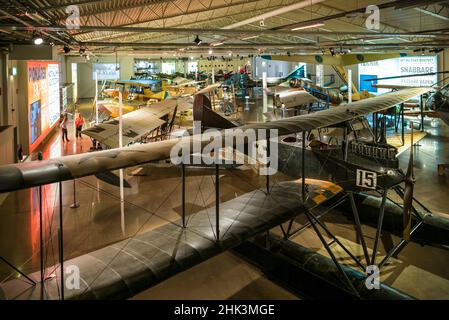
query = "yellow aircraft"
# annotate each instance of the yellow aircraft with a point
(137, 90)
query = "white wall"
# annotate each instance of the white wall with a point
(86, 84)
(273, 68)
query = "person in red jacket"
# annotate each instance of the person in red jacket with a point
(79, 122)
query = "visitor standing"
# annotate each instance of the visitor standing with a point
(79, 122)
(64, 122)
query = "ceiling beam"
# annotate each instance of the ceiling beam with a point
(433, 14)
(222, 31)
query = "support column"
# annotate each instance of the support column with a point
(183, 169)
(96, 97)
(268, 164)
(61, 241)
(303, 174)
(41, 237)
(74, 205)
(217, 202)
(403, 124)
(421, 108)
(264, 87)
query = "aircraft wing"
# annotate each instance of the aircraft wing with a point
(397, 86)
(135, 124)
(209, 88)
(35, 173)
(336, 60)
(182, 82)
(339, 114)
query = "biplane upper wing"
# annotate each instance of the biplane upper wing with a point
(35, 173)
(336, 60)
(340, 114)
(135, 124)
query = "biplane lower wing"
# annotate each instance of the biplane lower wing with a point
(126, 268)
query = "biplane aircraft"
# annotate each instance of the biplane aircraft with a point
(357, 163)
(181, 86)
(138, 90)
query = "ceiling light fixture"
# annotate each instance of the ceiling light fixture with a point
(197, 40)
(38, 40)
(309, 25)
(217, 44)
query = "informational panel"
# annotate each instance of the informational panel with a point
(398, 67)
(43, 99)
(106, 71)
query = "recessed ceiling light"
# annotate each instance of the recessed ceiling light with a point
(38, 40)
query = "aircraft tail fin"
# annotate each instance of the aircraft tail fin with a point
(202, 111)
(297, 73)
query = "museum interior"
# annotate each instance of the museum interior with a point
(224, 150)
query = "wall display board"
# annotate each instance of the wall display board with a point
(43, 99)
(106, 71)
(398, 67)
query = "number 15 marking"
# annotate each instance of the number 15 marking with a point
(366, 179)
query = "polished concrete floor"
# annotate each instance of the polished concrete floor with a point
(155, 199)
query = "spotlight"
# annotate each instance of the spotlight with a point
(289, 54)
(52, 43)
(82, 51)
(197, 40)
(38, 40)
(66, 49)
(332, 50)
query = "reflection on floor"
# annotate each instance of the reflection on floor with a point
(154, 199)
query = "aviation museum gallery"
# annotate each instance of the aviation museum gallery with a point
(224, 149)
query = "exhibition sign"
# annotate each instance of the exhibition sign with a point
(106, 71)
(43, 99)
(398, 67)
